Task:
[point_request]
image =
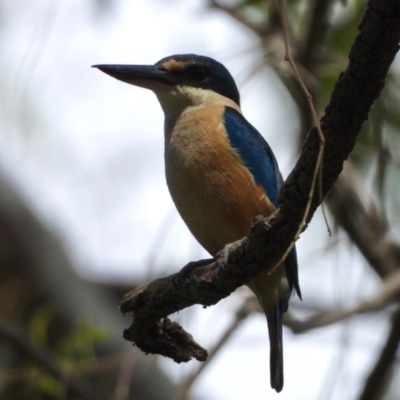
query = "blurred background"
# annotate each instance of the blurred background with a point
(85, 213)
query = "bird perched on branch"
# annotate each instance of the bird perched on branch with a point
(220, 171)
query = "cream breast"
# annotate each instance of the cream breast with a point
(215, 194)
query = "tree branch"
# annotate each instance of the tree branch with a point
(206, 283)
(388, 293)
(316, 28)
(259, 29)
(363, 225)
(378, 376)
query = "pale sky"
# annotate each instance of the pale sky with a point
(88, 151)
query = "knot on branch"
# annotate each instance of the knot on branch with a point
(166, 338)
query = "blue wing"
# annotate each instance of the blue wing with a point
(260, 160)
(255, 152)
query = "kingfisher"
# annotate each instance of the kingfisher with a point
(220, 171)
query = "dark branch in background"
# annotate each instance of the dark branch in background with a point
(259, 29)
(206, 283)
(364, 225)
(388, 293)
(308, 51)
(376, 380)
(317, 25)
(45, 360)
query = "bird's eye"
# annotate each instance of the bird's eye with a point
(198, 74)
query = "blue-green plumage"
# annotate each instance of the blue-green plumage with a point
(220, 171)
(255, 152)
(260, 160)
(257, 155)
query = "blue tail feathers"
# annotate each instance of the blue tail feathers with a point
(276, 348)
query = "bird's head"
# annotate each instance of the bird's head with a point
(180, 81)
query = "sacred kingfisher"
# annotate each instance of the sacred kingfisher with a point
(220, 171)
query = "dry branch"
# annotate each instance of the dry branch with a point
(363, 224)
(388, 294)
(208, 282)
(379, 374)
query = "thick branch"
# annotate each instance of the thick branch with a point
(206, 283)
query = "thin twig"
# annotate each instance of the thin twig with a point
(239, 17)
(124, 376)
(248, 307)
(388, 293)
(318, 165)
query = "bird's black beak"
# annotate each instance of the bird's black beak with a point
(151, 77)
